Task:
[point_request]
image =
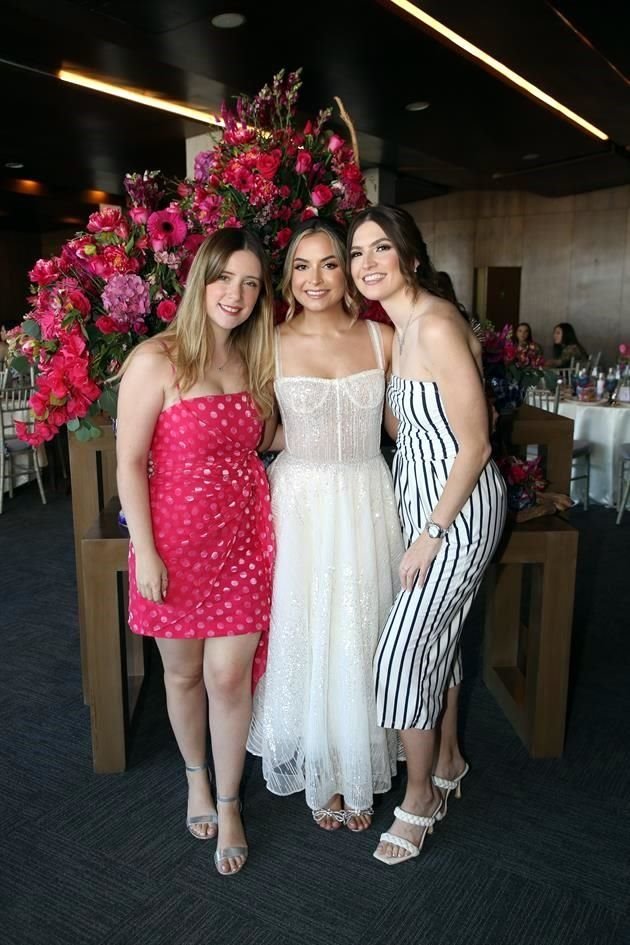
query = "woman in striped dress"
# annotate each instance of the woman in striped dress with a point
(451, 500)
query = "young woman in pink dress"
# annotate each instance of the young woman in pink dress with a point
(195, 404)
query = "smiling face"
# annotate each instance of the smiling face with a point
(232, 297)
(374, 263)
(318, 281)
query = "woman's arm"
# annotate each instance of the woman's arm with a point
(446, 353)
(269, 433)
(140, 400)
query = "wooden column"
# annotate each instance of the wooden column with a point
(115, 657)
(93, 475)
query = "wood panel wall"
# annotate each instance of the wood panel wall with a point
(574, 253)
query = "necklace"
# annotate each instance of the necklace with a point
(220, 367)
(401, 335)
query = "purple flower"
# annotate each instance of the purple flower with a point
(204, 162)
(126, 300)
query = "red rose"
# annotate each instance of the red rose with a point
(283, 236)
(268, 163)
(304, 162)
(309, 212)
(78, 300)
(106, 324)
(321, 195)
(167, 310)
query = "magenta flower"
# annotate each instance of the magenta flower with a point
(167, 228)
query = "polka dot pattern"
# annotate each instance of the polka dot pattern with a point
(211, 515)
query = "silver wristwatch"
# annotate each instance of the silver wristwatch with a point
(434, 530)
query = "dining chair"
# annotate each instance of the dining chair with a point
(624, 481)
(550, 400)
(14, 400)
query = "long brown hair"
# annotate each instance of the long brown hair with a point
(413, 256)
(189, 340)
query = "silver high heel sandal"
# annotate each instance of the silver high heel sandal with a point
(211, 819)
(446, 787)
(227, 852)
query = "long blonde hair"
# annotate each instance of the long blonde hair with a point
(189, 340)
(314, 225)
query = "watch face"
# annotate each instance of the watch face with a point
(434, 531)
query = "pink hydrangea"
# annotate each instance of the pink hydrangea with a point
(126, 299)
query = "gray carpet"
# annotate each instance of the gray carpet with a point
(535, 853)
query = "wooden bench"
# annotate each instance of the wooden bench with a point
(115, 657)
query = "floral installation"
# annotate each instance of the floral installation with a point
(624, 352)
(121, 279)
(508, 367)
(524, 478)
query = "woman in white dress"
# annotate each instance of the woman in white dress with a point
(338, 546)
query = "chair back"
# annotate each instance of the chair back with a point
(596, 360)
(564, 375)
(544, 399)
(12, 400)
(4, 374)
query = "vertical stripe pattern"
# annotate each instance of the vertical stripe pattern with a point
(418, 655)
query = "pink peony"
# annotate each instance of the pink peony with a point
(105, 221)
(44, 272)
(167, 228)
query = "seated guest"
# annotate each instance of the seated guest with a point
(565, 346)
(524, 338)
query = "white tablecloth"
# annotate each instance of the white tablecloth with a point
(606, 428)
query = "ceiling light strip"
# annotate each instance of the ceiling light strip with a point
(497, 66)
(86, 82)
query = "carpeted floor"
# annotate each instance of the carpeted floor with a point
(535, 853)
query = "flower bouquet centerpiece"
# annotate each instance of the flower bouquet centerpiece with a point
(509, 368)
(121, 279)
(525, 480)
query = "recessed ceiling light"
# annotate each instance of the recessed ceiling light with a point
(228, 21)
(14, 165)
(530, 157)
(417, 106)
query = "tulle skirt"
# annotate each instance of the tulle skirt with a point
(339, 545)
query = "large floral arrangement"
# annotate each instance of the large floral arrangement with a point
(509, 368)
(525, 480)
(121, 279)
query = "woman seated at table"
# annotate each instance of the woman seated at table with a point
(565, 347)
(525, 340)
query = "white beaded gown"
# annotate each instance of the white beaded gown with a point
(338, 549)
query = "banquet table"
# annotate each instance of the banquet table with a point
(606, 428)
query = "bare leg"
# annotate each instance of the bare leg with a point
(227, 667)
(186, 702)
(421, 797)
(450, 762)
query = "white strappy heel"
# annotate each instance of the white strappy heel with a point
(412, 850)
(447, 786)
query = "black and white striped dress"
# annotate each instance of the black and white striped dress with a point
(418, 655)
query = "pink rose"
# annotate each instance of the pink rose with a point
(309, 212)
(304, 162)
(166, 310)
(321, 195)
(139, 215)
(335, 142)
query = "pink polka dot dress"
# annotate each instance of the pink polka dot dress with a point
(212, 527)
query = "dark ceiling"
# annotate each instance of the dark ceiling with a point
(475, 134)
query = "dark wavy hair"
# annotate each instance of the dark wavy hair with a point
(568, 338)
(413, 256)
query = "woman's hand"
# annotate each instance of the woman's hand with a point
(417, 560)
(151, 576)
